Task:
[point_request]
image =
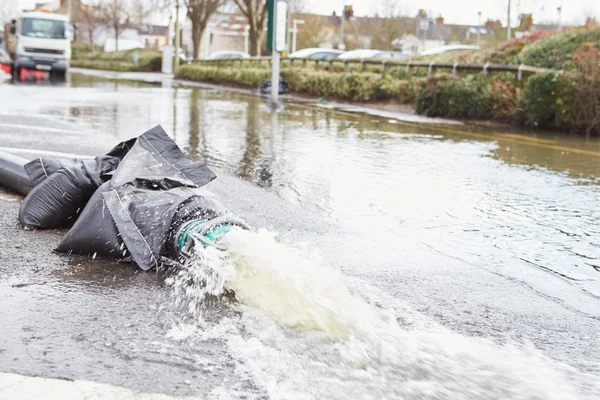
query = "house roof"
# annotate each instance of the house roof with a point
(153, 30)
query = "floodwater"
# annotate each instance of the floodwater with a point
(411, 261)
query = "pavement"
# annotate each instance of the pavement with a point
(93, 328)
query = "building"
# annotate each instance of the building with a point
(225, 31)
(406, 34)
(154, 36)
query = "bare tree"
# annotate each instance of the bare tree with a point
(139, 11)
(314, 32)
(199, 12)
(90, 14)
(256, 12)
(117, 15)
(8, 9)
(388, 25)
(158, 8)
(297, 6)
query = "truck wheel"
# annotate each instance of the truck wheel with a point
(59, 75)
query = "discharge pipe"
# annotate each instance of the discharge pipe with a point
(13, 174)
(204, 233)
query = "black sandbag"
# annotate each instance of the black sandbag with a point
(145, 192)
(63, 187)
(266, 87)
(57, 201)
(95, 234)
(41, 168)
(13, 175)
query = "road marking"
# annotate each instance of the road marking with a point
(20, 387)
(49, 153)
(500, 136)
(10, 197)
(42, 128)
(525, 138)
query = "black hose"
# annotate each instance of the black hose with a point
(13, 175)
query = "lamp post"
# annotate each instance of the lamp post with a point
(478, 28)
(341, 44)
(508, 28)
(176, 56)
(559, 9)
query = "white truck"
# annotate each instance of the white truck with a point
(40, 41)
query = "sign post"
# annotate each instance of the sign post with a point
(276, 42)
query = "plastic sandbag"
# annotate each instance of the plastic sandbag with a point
(266, 87)
(57, 201)
(95, 233)
(63, 187)
(137, 207)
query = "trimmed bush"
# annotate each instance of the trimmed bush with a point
(248, 77)
(362, 86)
(148, 60)
(445, 95)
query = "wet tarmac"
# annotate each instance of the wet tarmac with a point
(485, 234)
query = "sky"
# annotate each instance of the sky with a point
(465, 11)
(458, 11)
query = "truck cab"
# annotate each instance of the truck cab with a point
(40, 41)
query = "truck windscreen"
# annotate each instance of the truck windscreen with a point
(44, 28)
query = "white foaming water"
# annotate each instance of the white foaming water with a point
(303, 334)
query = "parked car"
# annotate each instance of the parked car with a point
(316, 53)
(371, 53)
(219, 55)
(447, 48)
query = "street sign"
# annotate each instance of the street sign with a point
(276, 42)
(277, 25)
(281, 25)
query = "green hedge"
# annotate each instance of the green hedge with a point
(545, 100)
(469, 97)
(556, 51)
(249, 77)
(149, 60)
(541, 49)
(354, 86)
(444, 95)
(152, 66)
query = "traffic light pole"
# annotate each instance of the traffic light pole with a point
(275, 59)
(177, 37)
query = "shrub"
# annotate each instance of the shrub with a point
(504, 98)
(445, 95)
(580, 112)
(249, 77)
(509, 51)
(557, 51)
(543, 99)
(148, 60)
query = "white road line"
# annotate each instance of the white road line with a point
(41, 128)
(49, 153)
(20, 387)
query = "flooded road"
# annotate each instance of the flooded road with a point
(454, 261)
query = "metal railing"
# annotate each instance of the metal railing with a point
(384, 64)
